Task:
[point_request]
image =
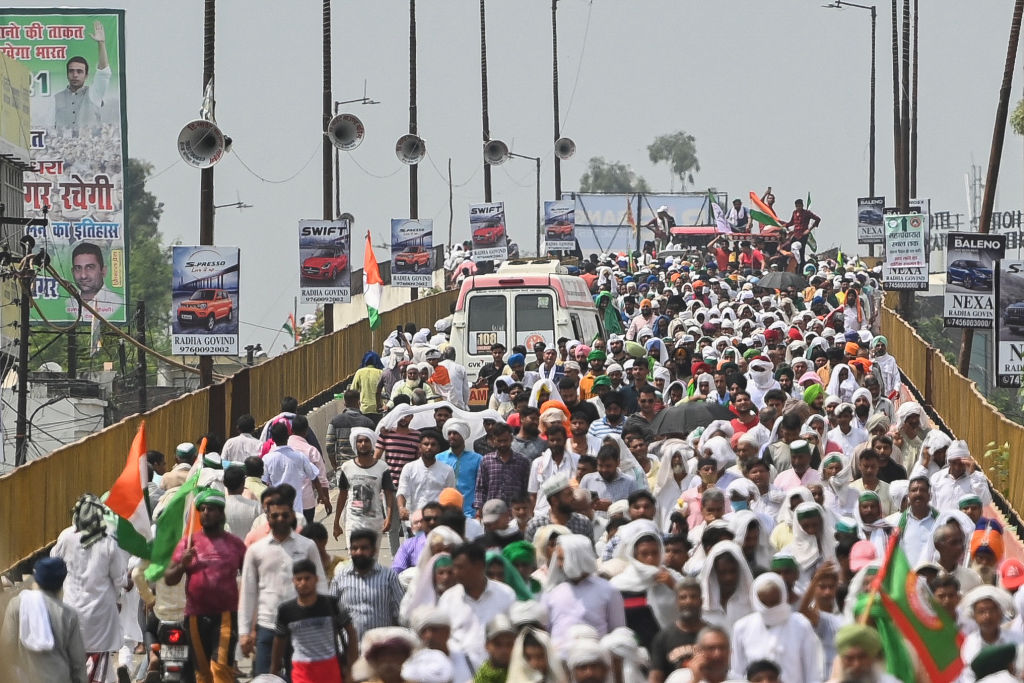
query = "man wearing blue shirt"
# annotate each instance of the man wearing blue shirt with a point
(466, 463)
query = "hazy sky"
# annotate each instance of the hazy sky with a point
(775, 92)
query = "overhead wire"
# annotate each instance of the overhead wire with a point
(371, 173)
(579, 64)
(293, 176)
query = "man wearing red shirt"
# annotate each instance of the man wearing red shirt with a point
(802, 221)
(743, 408)
(212, 559)
(720, 249)
(750, 259)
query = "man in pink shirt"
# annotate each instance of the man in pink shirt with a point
(801, 472)
(298, 442)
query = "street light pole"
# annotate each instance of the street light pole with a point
(839, 4)
(206, 210)
(483, 96)
(554, 86)
(327, 178)
(536, 160)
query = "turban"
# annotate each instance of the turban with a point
(783, 560)
(49, 573)
(968, 499)
(356, 432)
(878, 420)
(813, 392)
(614, 367)
(587, 651)
(456, 425)
(851, 348)
(524, 612)
(879, 340)
(988, 539)
(635, 349)
(848, 525)
(377, 639)
(450, 496)
(596, 354)
(210, 496)
(993, 659)
(428, 666)
(516, 359)
(603, 381)
(863, 637)
(800, 446)
(520, 552)
(958, 451)
(429, 615)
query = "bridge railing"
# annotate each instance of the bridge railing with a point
(956, 399)
(36, 499)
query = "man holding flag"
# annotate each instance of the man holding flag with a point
(211, 559)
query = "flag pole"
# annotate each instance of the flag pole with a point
(876, 583)
(191, 505)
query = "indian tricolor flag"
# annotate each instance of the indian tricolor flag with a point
(128, 500)
(373, 285)
(764, 214)
(290, 328)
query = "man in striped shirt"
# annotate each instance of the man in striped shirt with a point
(612, 421)
(370, 592)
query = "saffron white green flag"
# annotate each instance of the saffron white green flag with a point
(373, 285)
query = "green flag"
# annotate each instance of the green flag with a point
(808, 204)
(170, 527)
(924, 624)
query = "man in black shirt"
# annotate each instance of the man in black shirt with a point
(673, 646)
(491, 371)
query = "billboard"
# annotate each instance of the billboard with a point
(412, 254)
(487, 227)
(602, 223)
(78, 145)
(560, 224)
(1009, 336)
(204, 301)
(906, 255)
(869, 220)
(325, 263)
(970, 264)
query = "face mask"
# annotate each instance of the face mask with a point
(862, 411)
(773, 616)
(362, 562)
(738, 505)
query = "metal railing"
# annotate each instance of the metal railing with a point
(36, 499)
(962, 408)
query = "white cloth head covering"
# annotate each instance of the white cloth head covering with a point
(637, 576)
(739, 524)
(806, 549)
(521, 672)
(428, 666)
(739, 604)
(772, 616)
(966, 531)
(587, 651)
(906, 410)
(356, 432)
(455, 425)
(1000, 596)
(842, 389)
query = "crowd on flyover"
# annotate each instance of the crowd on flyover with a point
(703, 494)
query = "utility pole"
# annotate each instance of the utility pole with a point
(554, 87)
(414, 199)
(994, 158)
(206, 210)
(483, 97)
(26, 276)
(328, 151)
(143, 374)
(72, 372)
(913, 112)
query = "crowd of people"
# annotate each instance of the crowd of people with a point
(703, 493)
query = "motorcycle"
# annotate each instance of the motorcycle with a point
(171, 649)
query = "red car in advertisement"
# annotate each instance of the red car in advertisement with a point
(413, 258)
(205, 307)
(489, 234)
(559, 231)
(324, 264)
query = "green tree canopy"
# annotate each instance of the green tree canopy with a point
(149, 261)
(679, 151)
(611, 177)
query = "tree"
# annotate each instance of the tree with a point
(679, 150)
(149, 261)
(612, 177)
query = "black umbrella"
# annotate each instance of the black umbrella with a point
(782, 280)
(687, 417)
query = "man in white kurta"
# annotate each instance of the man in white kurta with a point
(96, 573)
(776, 633)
